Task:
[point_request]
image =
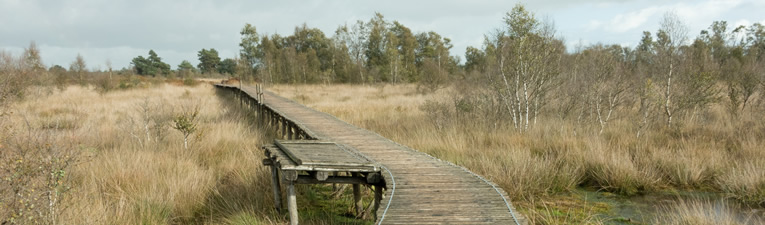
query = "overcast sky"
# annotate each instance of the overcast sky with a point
(118, 30)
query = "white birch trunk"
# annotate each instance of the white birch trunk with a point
(668, 95)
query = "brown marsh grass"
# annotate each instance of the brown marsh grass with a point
(702, 212)
(132, 167)
(558, 156)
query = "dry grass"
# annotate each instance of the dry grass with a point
(558, 156)
(128, 166)
(132, 167)
(703, 212)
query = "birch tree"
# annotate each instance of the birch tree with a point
(670, 37)
(528, 57)
(604, 82)
(355, 38)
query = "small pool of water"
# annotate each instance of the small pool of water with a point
(644, 209)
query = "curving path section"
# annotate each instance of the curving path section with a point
(420, 189)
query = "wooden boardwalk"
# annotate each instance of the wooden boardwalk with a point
(419, 189)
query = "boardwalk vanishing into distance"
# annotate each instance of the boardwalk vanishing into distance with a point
(419, 189)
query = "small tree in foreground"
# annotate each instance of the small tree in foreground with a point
(185, 122)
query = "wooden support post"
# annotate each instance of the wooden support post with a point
(292, 203)
(273, 119)
(288, 135)
(288, 126)
(334, 185)
(262, 116)
(267, 122)
(320, 175)
(278, 125)
(357, 198)
(290, 175)
(267, 117)
(378, 198)
(284, 127)
(277, 187)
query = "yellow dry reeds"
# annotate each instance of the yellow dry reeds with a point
(132, 167)
(702, 212)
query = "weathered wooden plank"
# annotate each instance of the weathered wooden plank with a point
(305, 153)
(286, 163)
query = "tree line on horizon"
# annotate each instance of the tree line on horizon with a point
(374, 51)
(519, 69)
(523, 66)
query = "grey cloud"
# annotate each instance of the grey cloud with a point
(122, 29)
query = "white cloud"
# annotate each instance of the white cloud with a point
(698, 16)
(742, 22)
(625, 22)
(594, 25)
(695, 15)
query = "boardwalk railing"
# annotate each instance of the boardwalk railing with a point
(419, 188)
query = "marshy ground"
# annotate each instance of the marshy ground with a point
(117, 159)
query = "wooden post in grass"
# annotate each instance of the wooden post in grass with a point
(292, 203)
(276, 187)
(378, 198)
(357, 197)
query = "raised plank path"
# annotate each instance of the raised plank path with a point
(420, 189)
